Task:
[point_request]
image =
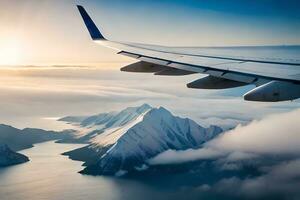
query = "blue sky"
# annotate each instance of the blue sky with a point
(202, 23)
(47, 31)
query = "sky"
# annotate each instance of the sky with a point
(51, 32)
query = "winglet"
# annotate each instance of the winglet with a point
(91, 26)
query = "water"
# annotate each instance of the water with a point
(50, 175)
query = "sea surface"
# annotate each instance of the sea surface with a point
(51, 176)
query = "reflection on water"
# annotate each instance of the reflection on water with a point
(51, 176)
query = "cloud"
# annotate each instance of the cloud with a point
(65, 90)
(281, 181)
(270, 147)
(174, 157)
(225, 122)
(277, 134)
(237, 156)
(274, 135)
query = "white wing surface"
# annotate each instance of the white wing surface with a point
(275, 70)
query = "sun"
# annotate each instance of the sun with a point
(10, 51)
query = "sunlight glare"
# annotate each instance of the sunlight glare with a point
(10, 52)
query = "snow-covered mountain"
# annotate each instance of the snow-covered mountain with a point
(115, 123)
(131, 137)
(9, 157)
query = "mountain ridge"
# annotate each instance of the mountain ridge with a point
(138, 136)
(19, 139)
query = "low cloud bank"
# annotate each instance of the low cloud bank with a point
(281, 182)
(57, 91)
(270, 146)
(275, 135)
(175, 157)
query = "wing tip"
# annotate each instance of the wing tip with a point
(90, 25)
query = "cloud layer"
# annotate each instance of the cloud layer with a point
(275, 135)
(281, 182)
(30, 94)
(270, 146)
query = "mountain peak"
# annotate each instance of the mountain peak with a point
(138, 109)
(164, 110)
(127, 139)
(103, 118)
(145, 106)
(151, 133)
(157, 114)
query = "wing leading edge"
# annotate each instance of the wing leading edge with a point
(276, 79)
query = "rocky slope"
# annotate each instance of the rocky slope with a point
(9, 157)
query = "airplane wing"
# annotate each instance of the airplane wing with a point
(276, 78)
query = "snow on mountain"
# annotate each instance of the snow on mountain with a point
(111, 136)
(144, 136)
(9, 157)
(91, 129)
